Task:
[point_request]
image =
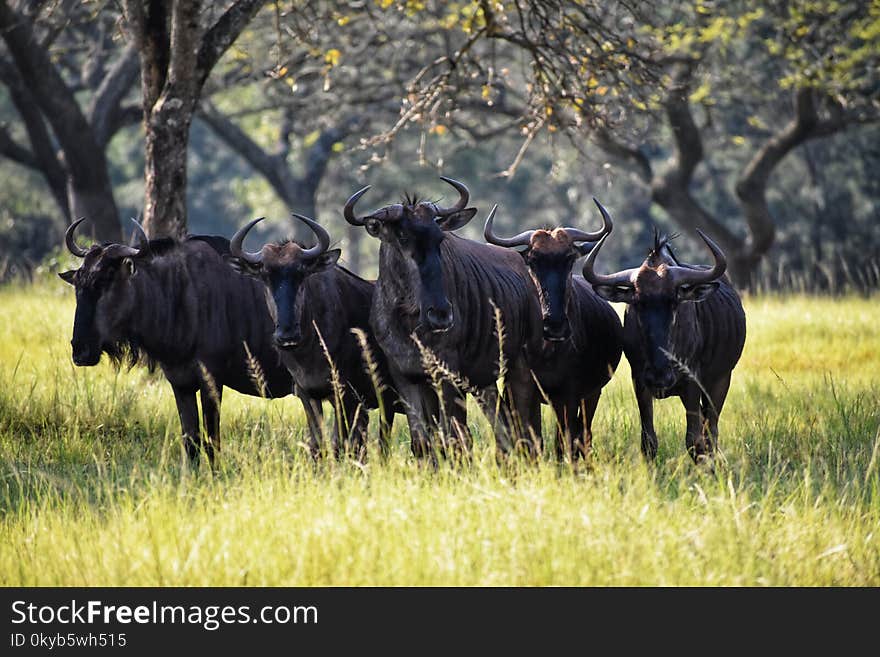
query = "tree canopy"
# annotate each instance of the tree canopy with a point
(754, 122)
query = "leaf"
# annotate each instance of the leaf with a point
(756, 122)
(332, 56)
(700, 93)
(311, 138)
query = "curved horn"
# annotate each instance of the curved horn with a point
(618, 278)
(577, 235)
(522, 239)
(235, 244)
(463, 196)
(143, 240)
(688, 276)
(348, 212)
(323, 237)
(70, 242)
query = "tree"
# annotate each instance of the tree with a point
(179, 43)
(824, 100)
(43, 72)
(628, 74)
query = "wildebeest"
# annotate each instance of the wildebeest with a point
(176, 303)
(582, 333)
(316, 304)
(684, 330)
(434, 305)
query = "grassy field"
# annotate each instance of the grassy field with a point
(93, 492)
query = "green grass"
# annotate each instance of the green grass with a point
(93, 492)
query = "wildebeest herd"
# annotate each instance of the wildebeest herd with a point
(446, 317)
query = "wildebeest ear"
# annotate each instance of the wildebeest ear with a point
(698, 292)
(67, 276)
(616, 293)
(129, 269)
(456, 220)
(373, 226)
(243, 266)
(326, 259)
(584, 248)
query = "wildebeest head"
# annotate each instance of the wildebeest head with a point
(550, 255)
(103, 301)
(415, 230)
(284, 267)
(658, 292)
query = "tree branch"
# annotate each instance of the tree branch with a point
(104, 109)
(241, 143)
(222, 35)
(42, 155)
(44, 82)
(632, 156)
(688, 143)
(751, 188)
(15, 152)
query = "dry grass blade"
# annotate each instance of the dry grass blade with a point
(255, 372)
(210, 383)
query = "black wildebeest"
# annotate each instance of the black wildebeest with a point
(440, 291)
(684, 330)
(316, 304)
(582, 332)
(179, 305)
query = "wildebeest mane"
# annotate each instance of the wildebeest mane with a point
(411, 199)
(662, 242)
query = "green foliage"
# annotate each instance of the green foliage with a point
(93, 492)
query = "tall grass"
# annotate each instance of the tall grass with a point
(93, 489)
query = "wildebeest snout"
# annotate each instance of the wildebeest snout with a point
(85, 354)
(287, 337)
(660, 379)
(556, 329)
(439, 318)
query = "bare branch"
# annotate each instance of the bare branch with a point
(222, 35)
(104, 109)
(632, 156)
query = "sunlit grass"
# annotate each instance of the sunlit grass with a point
(93, 491)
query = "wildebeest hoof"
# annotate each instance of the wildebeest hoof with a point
(706, 462)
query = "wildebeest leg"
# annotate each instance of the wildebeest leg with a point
(211, 398)
(386, 425)
(315, 419)
(457, 434)
(712, 408)
(188, 411)
(560, 409)
(584, 445)
(694, 438)
(421, 407)
(489, 402)
(522, 408)
(350, 431)
(646, 414)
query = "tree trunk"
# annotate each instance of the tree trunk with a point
(167, 138)
(89, 191)
(177, 54)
